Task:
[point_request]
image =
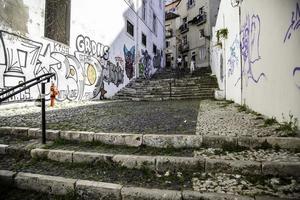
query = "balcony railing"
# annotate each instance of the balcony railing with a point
(184, 28)
(184, 47)
(199, 19)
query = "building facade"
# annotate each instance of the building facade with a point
(197, 17)
(93, 47)
(257, 64)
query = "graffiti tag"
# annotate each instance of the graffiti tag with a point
(250, 38)
(295, 23)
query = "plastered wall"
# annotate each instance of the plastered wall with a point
(100, 58)
(260, 56)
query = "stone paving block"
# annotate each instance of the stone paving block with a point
(80, 136)
(193, 195)
(170, 163)
(172, 141)
(3, 149)
(34, 132)
(134, 193)
(233, 166)
(219, 141)
(135, 162)
(50, 134)
(98, 190)
(284, 142)
(7, 177)
(125, 139)
(46, 184)
(251, 142)
(90, 157)
(61, 155)
(20, 131)
(39, 153)
(281, 168)
(5, 130)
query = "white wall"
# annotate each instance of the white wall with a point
(101, 56)
(270, 62)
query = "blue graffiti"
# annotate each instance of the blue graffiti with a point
(145, 61)
(233, 59)
(297, 69)
(250, 38)
(295, 23)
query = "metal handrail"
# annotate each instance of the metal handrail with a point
(40, 79)
(26, 82)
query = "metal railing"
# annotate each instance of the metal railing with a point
(43, 79)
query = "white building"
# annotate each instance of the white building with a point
(258, 64)
(92, 46)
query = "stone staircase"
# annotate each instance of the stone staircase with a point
(119, 166)
(166, 86)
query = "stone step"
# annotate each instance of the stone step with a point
(157, 140)
(100, 181)
(164, 164)
(192, 166)
(91, 189)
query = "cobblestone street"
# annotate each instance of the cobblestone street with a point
(208, 117)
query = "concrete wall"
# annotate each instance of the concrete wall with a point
(268, 40)
(101, 56)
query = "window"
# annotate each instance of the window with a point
(130, 28)
(201, 33)
(57, 21)
(184, 39)
(154, 24)
(190, 3)
(144, 10)
(167, 44)
(154, 49)
(144, 39)
(202, 53)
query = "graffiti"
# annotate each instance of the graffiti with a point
(145, 63)
(295, 23)
(296, 72)
(250, 36)
(233, 58)
(78, 77)
(129, 61)
(87, 46)
(113, 73)
(157, 60)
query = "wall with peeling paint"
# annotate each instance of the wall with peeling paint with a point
(101, 57)
(268, 51)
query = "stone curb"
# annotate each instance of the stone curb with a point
(159, 141)
(3, 149)
(172, 163)
(100, 190)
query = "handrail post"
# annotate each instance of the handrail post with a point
(43, 114)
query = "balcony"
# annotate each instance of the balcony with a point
(184, 47)
(169, 33)
(184, 28)
(199, 19)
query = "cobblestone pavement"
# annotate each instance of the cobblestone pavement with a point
(250, 155)
(167, 117)
(225, 119)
